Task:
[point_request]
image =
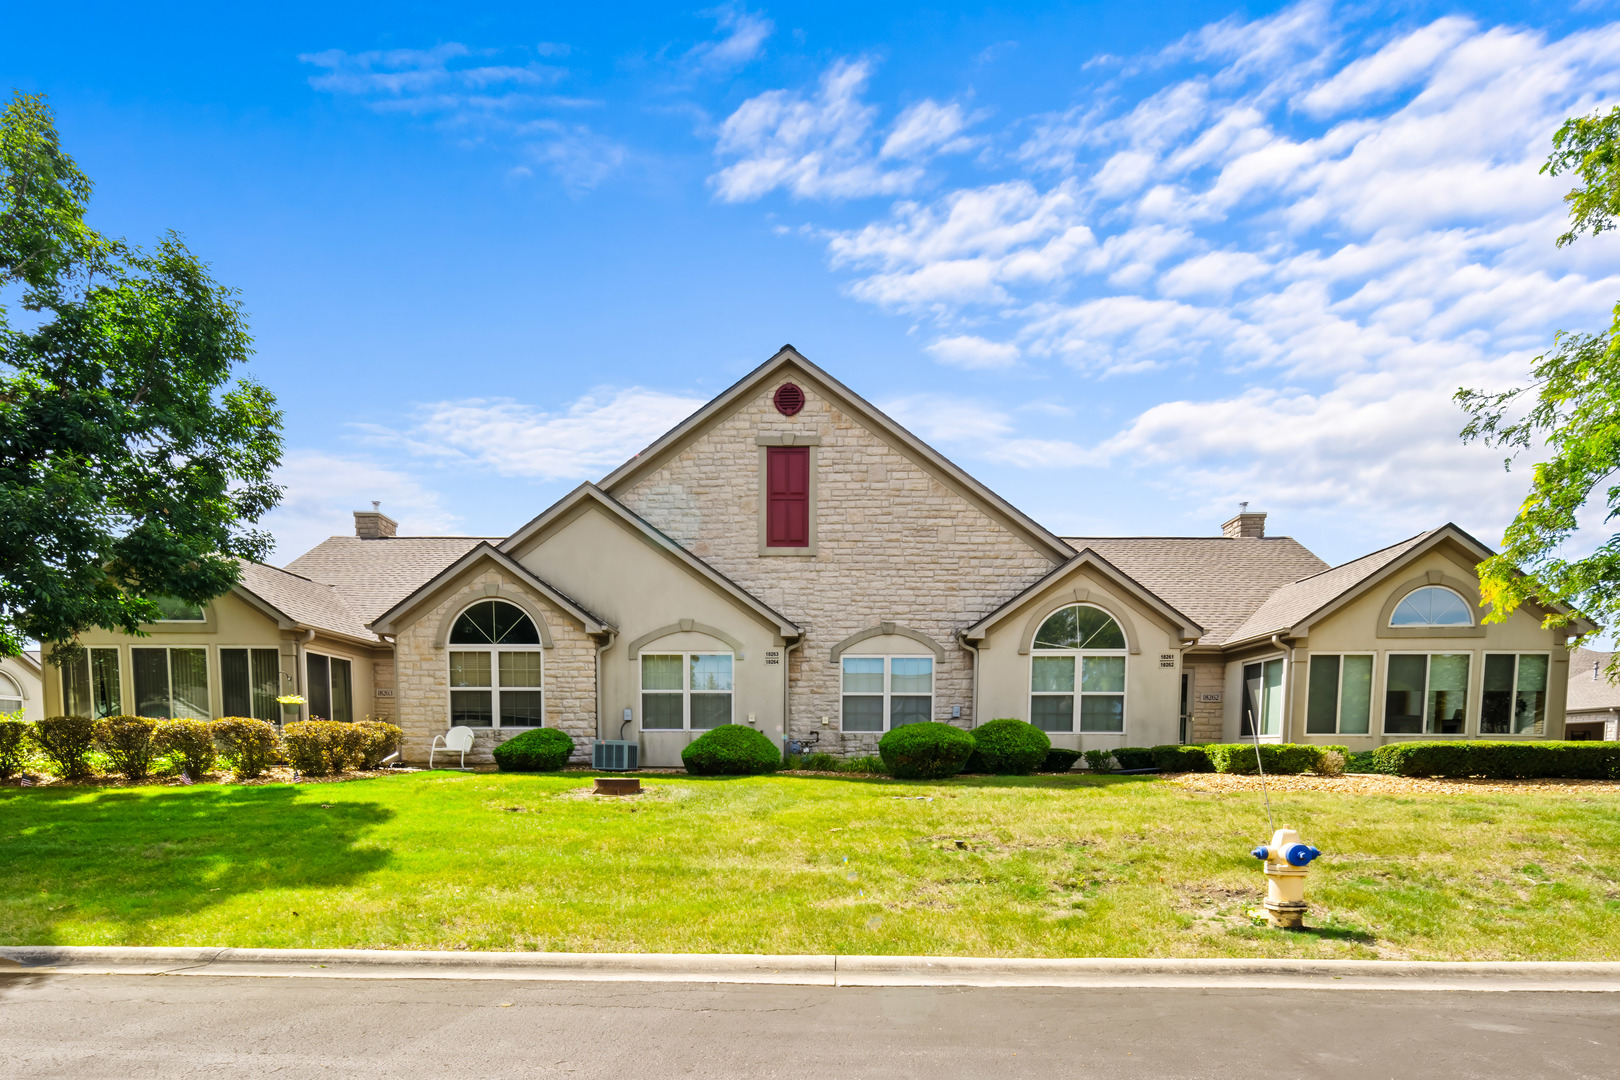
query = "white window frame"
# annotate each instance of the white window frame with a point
(686, 690)
(6, 681)
(1470, 696)
(1079, 673)
(494, 688)
(1284, 686)
(118, 664)
(274, 709)
(1473, 619)
(888, 687)
(331, 658)
(1338, 697)
(1547, 713)
(210, 675)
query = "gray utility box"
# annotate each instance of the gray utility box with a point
(612, 755)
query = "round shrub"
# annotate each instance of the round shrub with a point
(66, 741)
(130, 742)
(1010, 747)
(190, 742)
(731, 750)
(13, 747)
(927, 751)
(542, 749)
(1059, 760)
(317, 747)
(248, 744)
(378, 739)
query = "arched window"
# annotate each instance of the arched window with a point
(1079, 653)
(1432, 605)
(11, 699)
(495, 669)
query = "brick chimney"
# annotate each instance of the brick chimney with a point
(373, 524)
(1246, 525)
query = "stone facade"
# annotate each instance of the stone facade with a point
(422, 675)
(892, 543)
(383, 703)
(1208, 717)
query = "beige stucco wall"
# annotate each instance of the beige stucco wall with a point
(1354, 628)
(422, 670)
(1152, 674)
(612, 569)
(892, 544)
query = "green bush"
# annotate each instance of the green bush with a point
(13, 747)
(377, 739)
(249, 745)
(1099, 760)
(318, 747)
(819, 762)
(926, 751)
(1280, 759)
(541, 749)
(1501, 760)
(1009, 747)
(1173, 757)
(865, 765)
(1362, 761)
(1135, 757)
(1059, 760)
(130, 743)
(189, 743)
(66, 742)
(731, 750)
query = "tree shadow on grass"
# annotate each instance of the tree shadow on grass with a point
(132, 857)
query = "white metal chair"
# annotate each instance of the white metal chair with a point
(456, 740)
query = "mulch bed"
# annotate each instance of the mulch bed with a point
(1377, 784)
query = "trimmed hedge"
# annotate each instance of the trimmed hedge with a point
(1099, 760)
(1280, 759)
(926, 751)
(1008, 747)
(66, 741)
(731, 750)
(1134, 757)
(190, 742)
(13, 747)
(1173, 757)
(318, 747)
(376, 740)
(248, 744)
(542, 749)
(1059, 760)
(130, 742)
(1502, 760)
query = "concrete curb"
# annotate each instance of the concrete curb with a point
(820, 970)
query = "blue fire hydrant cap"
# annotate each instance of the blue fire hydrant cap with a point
(1300, 854)
(1259, 852)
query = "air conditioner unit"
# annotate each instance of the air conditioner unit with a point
(612, 755)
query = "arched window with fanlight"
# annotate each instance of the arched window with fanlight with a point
(496, 676)
(1431, 605)
(1078, 666)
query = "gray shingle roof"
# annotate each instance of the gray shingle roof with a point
(1585, 692)
(302, 600)
(1294, 601)
(372, 576)
(1216, 581)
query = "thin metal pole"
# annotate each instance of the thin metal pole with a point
(1254, 730)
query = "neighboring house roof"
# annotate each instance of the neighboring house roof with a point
(591, 493)
(1188, 628)
(1215, 581)
(1589, 688)
(299, 600)
(593, 623)
(788, 361)
(373, 575)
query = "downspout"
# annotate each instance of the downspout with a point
(787, 697)
(602, 643)
(299, 676)
(1288, 694)
(973, 697)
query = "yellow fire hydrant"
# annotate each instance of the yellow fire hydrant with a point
(1287, 858)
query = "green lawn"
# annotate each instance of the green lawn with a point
(1052, 866)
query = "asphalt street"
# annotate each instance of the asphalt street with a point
(90, 1027)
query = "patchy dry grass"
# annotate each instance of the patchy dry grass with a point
(1041, 866)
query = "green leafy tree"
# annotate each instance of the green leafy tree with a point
(132, 466)
(1572, 409)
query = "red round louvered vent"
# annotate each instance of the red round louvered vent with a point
(789, 399)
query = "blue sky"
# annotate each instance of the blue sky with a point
(1127, 263)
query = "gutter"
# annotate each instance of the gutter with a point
(973, 700)
(787, 690)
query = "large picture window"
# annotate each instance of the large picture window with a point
(496, 673)
(171, 683)
(685, 691)
(329, 689)
(1078, 665)
(249, 680)
(1426, 694)
(90, 685)
(1514, 700)
(885, 692)
(1340, 697)
(1263, 697)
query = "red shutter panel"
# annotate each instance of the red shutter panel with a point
(787, 496)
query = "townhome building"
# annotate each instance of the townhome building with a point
(790, 558)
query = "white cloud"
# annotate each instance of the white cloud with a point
(974, 353)
(925, 128)
(323, 491)
(598, 432)
(1394, 67)
(745, 35)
